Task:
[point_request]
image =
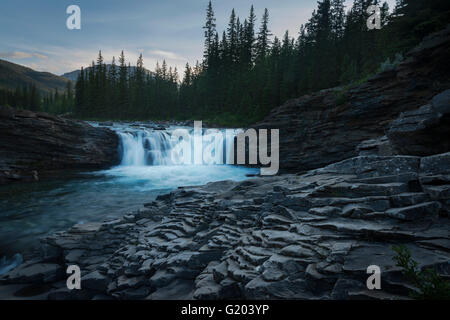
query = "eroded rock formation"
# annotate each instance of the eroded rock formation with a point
(289, 237)
(327, 126)
(35, 144)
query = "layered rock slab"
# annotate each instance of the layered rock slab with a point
(284, 237)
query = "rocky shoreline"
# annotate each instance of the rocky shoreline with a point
(309, 236)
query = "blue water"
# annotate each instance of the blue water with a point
(30, 211)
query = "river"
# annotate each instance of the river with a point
(148, 168)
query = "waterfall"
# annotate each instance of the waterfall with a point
(159, 147)
(133, 153)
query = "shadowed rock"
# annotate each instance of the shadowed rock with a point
(33, 145)
(317, 130)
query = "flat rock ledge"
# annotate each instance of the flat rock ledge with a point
(309, 236)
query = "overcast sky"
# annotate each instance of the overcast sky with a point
(34, 32)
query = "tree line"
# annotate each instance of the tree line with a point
(122, 92)
(29, 97)
(246, 71)
(23, 97)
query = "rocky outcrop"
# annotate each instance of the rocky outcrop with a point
(37, 144)
(424, 131)
(327, 126)
(309, 236)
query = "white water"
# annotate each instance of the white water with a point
(145, 147)
(156, 160)
(147, 169)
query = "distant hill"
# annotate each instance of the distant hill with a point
(73, 75)
(13, 75)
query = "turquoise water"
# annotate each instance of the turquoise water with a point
(32, 210)
(29, 211)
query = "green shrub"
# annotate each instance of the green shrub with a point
(429, 284)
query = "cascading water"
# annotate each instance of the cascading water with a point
(148, 168)
(156, 147)
(133, 153)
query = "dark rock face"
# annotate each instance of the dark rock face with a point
(309, 236)
(424, 131)
(327, 126)
(35, 144)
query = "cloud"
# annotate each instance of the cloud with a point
(21, 55)
(40, 56)
(166, 55)
(15, 55)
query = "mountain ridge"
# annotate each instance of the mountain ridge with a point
(14, 75)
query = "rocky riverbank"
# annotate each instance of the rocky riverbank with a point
(33, 145)
(327, 126)
(309, 236)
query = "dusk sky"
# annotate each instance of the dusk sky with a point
(34, 33)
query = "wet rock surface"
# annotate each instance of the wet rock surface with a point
(33, 145)
(309, 236)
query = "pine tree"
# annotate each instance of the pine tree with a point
(123, 87)
(80, 94)
(139, 86)
(34, 98)
(164, 74)
(210, 31)
(263, 36)
(232, 38)
(337, 19)
(250, 36)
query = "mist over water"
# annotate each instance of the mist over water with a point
(32, 210)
